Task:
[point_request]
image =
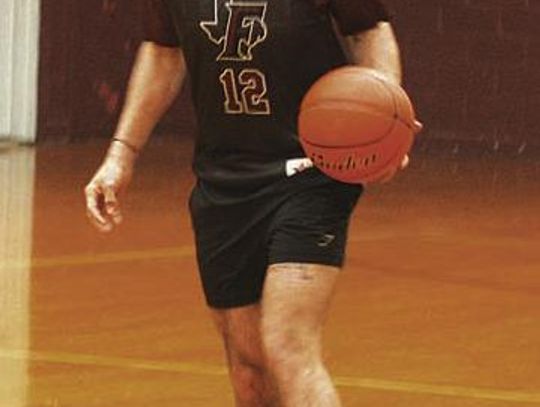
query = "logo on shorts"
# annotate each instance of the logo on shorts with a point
(238, 27)
(326, 240)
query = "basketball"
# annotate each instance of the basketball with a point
(355, 125)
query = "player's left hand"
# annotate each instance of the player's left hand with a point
(418, 126)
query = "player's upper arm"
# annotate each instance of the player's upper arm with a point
(355, 16)
(159, 26)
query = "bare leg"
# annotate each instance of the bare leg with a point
(295, 302)
(240, 329)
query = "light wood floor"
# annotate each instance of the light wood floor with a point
(439, 305)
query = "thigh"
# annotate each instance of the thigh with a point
(296, 299)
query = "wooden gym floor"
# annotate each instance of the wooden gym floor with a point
(439, 305)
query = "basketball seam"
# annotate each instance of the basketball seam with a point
(374, 113)
(345, 104)
(383, 167)
(395, 118)
(392, 127)
(371, 109)
(396, 115)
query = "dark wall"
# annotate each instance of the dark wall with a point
(471, 66)
(87, 49)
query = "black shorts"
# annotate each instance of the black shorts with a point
(302, 219)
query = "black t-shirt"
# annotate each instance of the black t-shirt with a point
(250, 64)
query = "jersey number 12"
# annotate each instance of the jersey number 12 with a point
(245, 92)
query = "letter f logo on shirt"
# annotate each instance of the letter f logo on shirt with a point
(237, 27)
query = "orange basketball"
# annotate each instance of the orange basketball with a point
(355, 125)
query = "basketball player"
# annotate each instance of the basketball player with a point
(270, 231)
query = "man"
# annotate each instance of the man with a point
(270, 233)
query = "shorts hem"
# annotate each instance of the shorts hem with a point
(232, 303)
(323, 261)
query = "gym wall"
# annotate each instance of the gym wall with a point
(471, 66)
(87, 49)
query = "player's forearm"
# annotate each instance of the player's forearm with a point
(378, 49)
(155, 82)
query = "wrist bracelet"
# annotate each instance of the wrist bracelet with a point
(128, 145)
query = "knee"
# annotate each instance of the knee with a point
(289, 348)
(246, 360)
(245, 365)
(250, 376)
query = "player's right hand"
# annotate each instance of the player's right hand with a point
(102, 192)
